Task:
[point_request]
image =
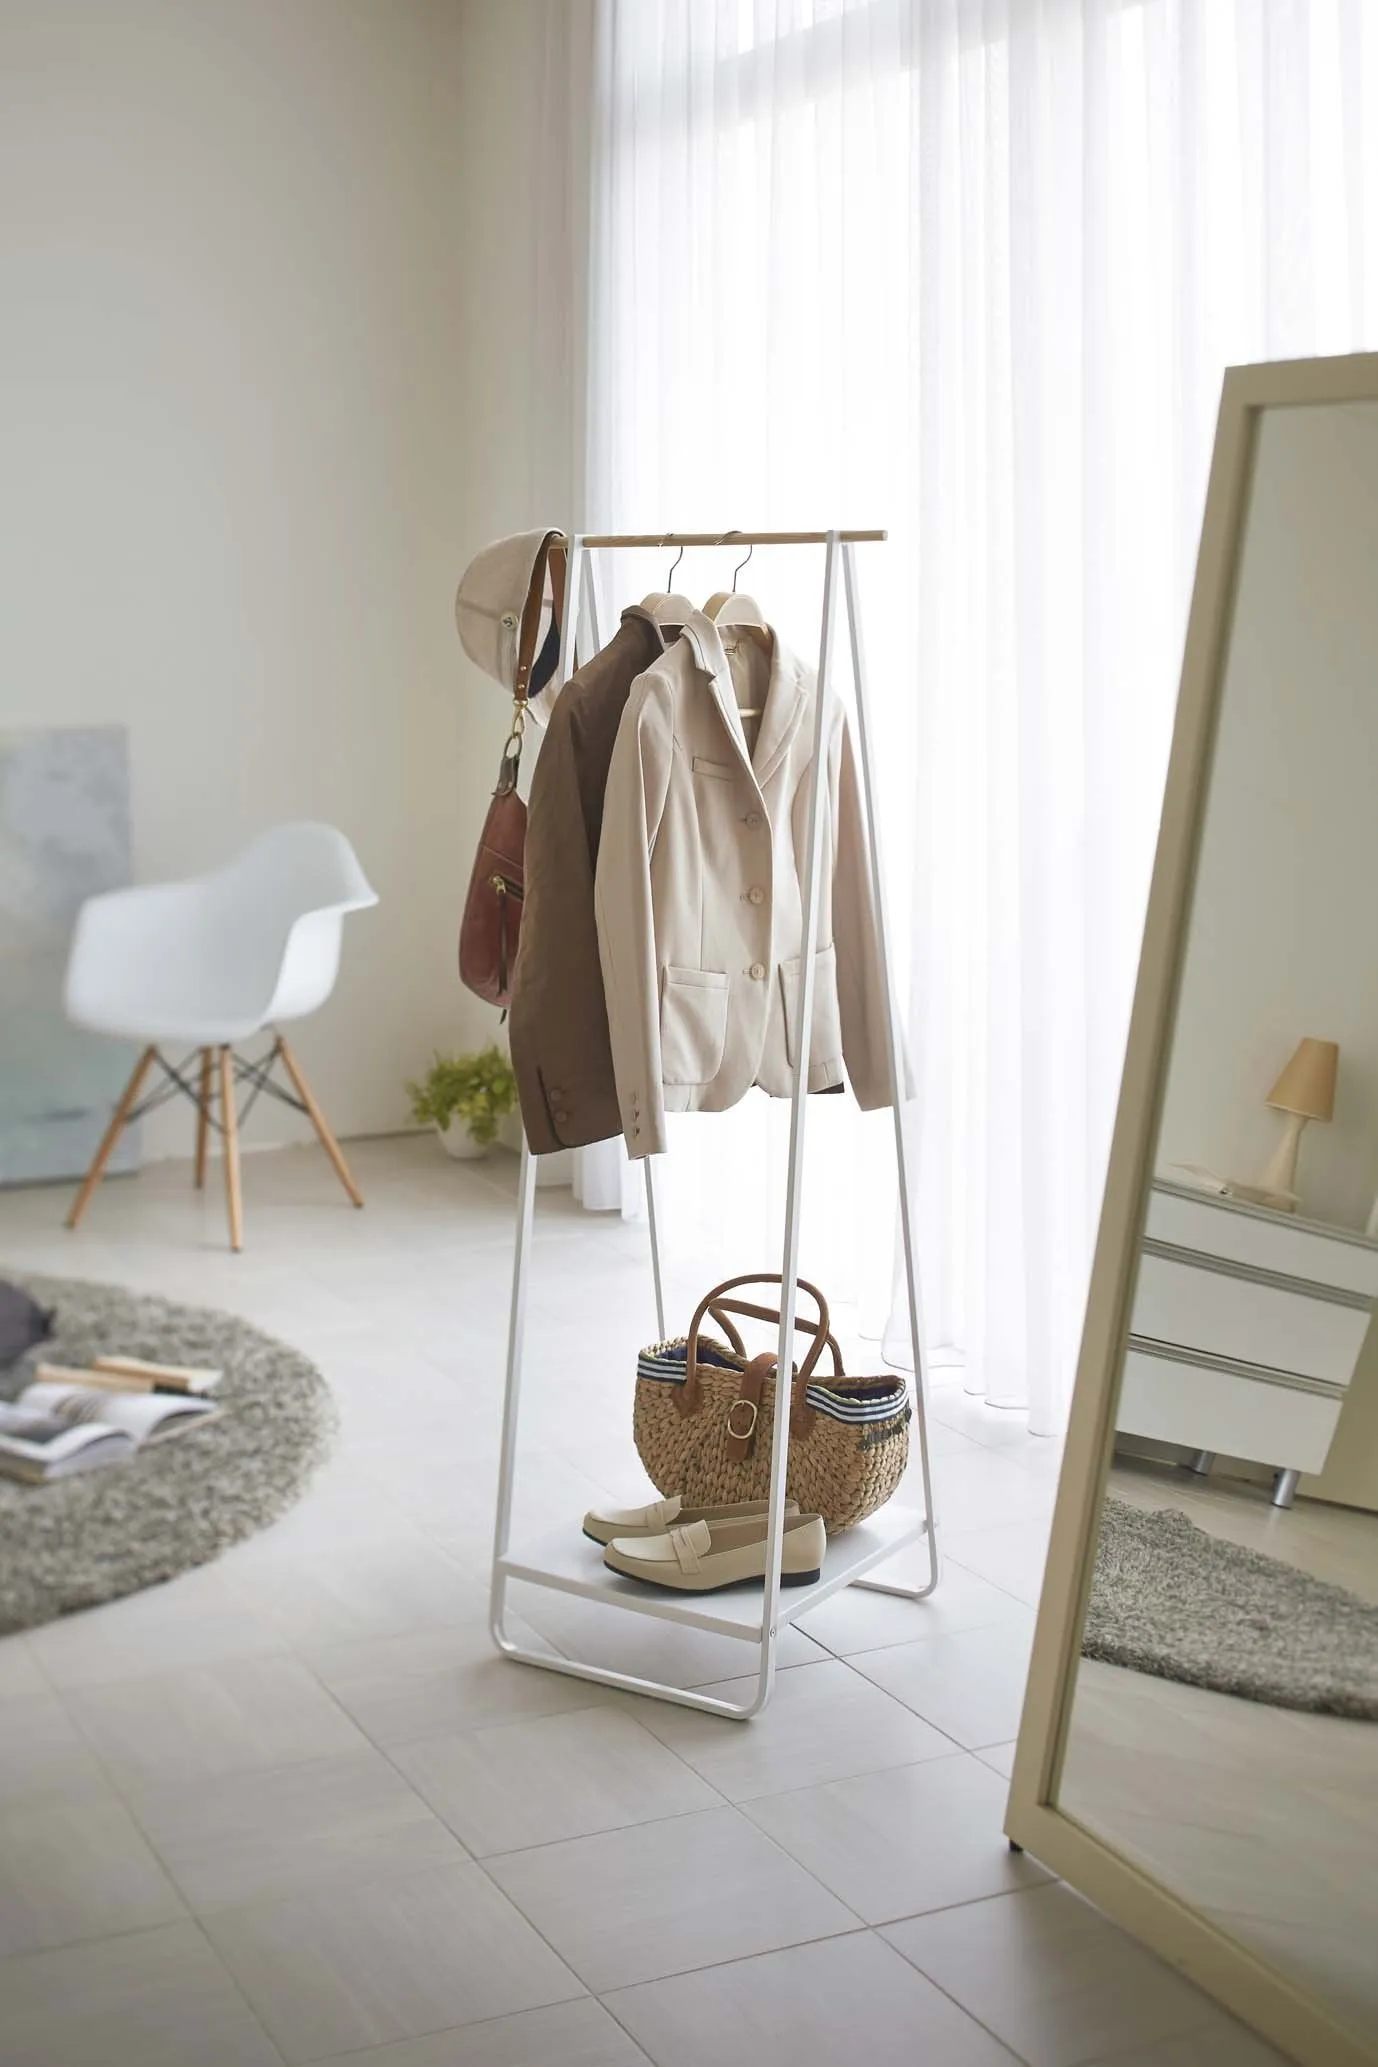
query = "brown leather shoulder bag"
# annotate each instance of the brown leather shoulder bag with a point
(491, 926)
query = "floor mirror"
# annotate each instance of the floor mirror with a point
(1199, 1747)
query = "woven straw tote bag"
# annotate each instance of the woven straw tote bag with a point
(705, 1411)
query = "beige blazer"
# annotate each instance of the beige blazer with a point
(699, 891)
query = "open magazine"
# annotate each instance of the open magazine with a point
(56, 1428)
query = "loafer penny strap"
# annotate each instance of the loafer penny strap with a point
(691, 1545)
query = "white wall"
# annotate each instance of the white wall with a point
(1282, 939)
(264, 367)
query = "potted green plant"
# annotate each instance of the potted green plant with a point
(466, 1098)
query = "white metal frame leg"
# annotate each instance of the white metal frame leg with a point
(894, 1051)
(497, 1603)
(581, 600)
(789, 1264)
(653, 1223)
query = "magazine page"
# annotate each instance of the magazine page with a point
(138, 1414)
(47, 1441)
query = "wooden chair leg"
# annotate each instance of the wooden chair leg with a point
(319, 1121)
(203, 1116)
(230, 1121)
(112, 1135)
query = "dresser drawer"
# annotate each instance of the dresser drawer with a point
(1191, 1306)
(1171, 1400)
(1264, 1241)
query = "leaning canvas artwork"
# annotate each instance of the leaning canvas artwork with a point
(64, 835)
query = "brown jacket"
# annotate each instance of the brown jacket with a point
(558, 1025)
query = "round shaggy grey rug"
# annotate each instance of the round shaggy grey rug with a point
(172, 1505)
(1170, 1599)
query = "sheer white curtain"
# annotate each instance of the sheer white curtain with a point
(971, 269)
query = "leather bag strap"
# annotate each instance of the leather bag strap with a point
(688, 1396)
(553, 557)
(745, 1411)
(768, 1313)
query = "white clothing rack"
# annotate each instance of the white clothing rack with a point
(566, 1562)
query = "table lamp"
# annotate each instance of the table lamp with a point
(1305, 1091)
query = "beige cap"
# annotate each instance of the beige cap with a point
(500, 604)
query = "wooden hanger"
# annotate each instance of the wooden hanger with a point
(726, 607)
(669, 610)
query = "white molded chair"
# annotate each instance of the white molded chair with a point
(211, 963)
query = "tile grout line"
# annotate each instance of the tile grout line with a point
(130, 1805)
(707, 1964)
(237, 1986)
(872, 1932)
(630, 2035)
(190, 1919)
(601, 1708)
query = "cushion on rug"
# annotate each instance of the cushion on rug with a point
(23, 1323)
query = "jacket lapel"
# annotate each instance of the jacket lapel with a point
(786, 698)
(702, 634)
(784, 707)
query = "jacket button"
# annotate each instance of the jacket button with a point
(757, 971)
(755, 820)
(562, 1119)
(756, 895)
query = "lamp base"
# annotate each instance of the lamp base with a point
(1281, 1173)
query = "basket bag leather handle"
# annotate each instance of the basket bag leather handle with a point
(689, 1396)
(770, 1313)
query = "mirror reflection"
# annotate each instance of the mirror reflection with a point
(1224, 1724)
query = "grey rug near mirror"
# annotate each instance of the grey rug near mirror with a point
(108, 1532)
(1169, 1599)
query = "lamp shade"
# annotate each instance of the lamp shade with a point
(1307, 1085)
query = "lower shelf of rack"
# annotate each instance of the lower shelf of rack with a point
(567, 1562)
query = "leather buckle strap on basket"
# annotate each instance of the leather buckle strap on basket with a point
(490, 929)
(705, 1411)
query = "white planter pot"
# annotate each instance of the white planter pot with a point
(460, 1143)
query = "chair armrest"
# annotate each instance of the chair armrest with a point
(122, 940)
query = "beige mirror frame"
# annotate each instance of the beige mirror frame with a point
(1281, 2010)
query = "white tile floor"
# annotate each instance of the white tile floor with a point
(292, 1807)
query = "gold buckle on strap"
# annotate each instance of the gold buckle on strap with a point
(743, 1435)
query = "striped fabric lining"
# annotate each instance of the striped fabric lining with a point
(874, 1400)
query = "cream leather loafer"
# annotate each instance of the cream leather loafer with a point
(702, 1555)
(662, 1515)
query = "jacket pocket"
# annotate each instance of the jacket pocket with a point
(693, 1025)
(826, 1042)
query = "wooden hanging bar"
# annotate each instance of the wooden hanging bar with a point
(653, 540)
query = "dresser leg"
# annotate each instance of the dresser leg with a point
(1203, 1463)
(1284, 1488)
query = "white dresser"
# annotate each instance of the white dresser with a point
(1246, 1328)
